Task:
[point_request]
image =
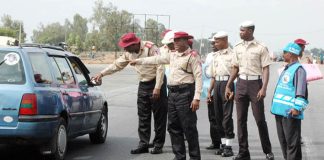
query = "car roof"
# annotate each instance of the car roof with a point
(49, 49)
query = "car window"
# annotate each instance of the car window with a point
(11, 68)
(78, 72)
(42, 73)
(62, 71)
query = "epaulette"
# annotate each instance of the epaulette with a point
(238, 43)
(194, 53)
(261, 44)
(149, 44)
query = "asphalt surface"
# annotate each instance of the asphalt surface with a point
(121, 90)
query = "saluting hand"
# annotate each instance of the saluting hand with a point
(261, 94)
(195, 105)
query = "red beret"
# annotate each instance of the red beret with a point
(300, 41)
(128, 39)
(182, 35)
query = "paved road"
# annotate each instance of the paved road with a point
(121, 89)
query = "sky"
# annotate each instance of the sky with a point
(277, 22)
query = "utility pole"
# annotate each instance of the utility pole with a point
(20, 32)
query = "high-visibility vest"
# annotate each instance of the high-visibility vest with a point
(285, 98)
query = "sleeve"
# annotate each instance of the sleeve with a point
(265, 57)
(300, 83)
(197, 73)
(117, 65)
(158, 59)
(235, 58)
(159, 76)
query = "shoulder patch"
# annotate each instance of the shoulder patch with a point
(149, 44)
(238, 43)
(194, 53)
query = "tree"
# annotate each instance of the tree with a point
(12, 27)
(153, 31)
(50, 34)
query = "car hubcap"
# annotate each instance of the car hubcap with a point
(61, 140)
(103, 125)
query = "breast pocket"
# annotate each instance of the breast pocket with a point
(254, 58)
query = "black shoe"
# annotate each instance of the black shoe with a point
(242, 156)
(220, 150)
(212, 146)
(227, 152)
(270, 156)
(151, 145)
(139, 150)
(156, 150)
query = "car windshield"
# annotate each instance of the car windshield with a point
(11, 68)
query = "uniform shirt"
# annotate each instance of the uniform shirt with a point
(251, 57)
(188, 60)
(145, 72)
(221, 64)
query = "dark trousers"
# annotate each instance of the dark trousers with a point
(182, 121)
(223, 111)
(246, 91)
(147, 106)
(288, 130)
(214, 135)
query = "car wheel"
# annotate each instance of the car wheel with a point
(99, 136)
(59, 141)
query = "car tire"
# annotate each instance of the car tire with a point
(59, 142)
(99, 136)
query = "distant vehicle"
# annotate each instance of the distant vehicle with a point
(46, 98)
(8, 41)
(280, 58)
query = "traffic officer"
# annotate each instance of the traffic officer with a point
(289, 102)
(214, 135)
(185, 86)
(151, 96)
(251, 64)
(220, 69)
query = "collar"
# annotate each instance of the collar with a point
(223, 51)
(254, 41)
(186, 52)
(290, 64)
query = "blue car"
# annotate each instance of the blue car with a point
(46, 98)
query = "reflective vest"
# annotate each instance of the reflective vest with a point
(284, 97)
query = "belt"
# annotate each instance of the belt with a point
(246, 77)
(179, 88)
(222, 78)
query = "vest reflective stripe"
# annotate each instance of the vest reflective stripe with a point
(284, 96)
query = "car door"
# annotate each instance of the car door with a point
(71, 94)
(92, 99)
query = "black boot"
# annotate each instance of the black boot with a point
(227, 152)
(220, 150)
(139, 150)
